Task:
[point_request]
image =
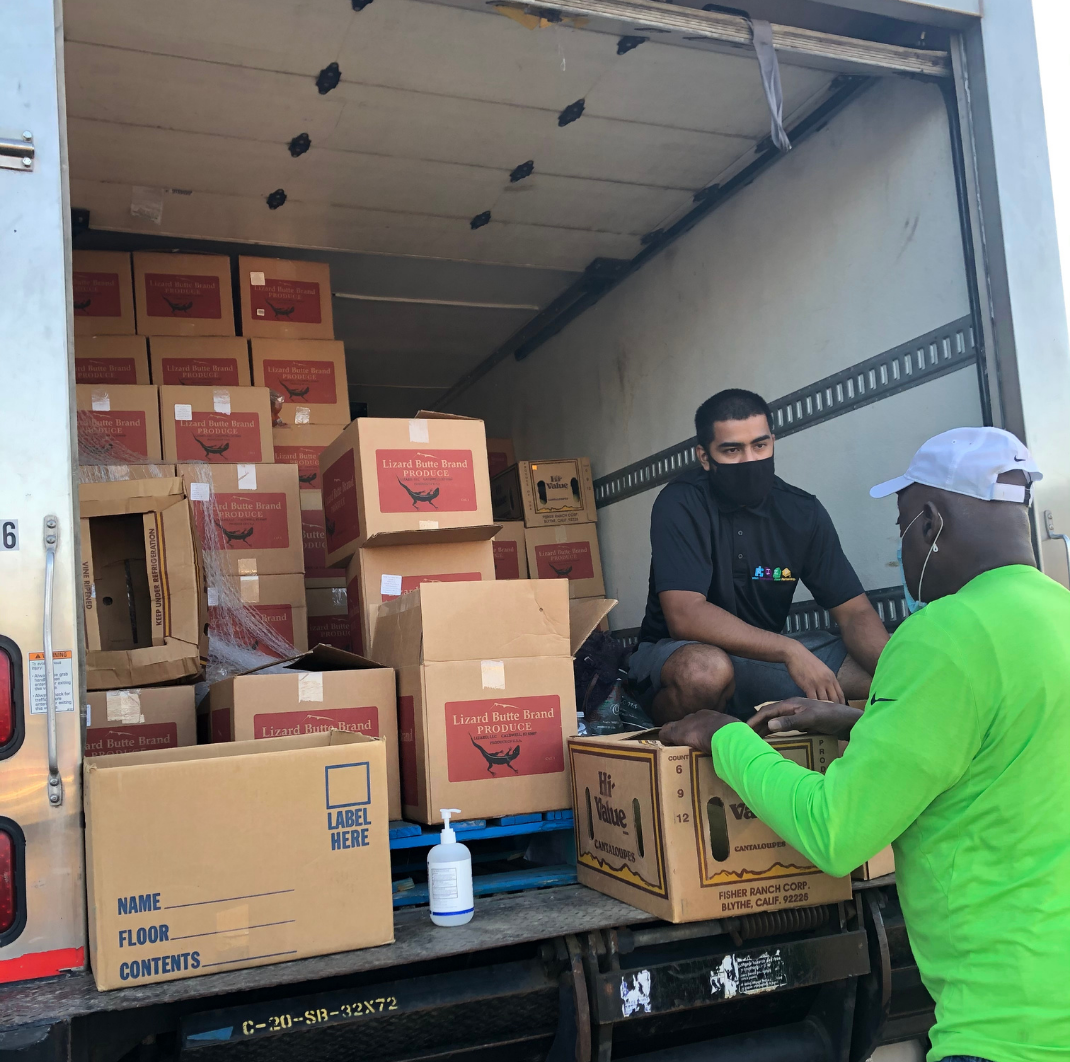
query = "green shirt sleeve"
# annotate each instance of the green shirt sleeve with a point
(917, 737)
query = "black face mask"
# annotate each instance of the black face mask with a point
(745, 483)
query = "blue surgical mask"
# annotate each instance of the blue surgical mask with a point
(914, 604)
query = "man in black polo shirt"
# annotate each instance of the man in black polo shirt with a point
(729, 544)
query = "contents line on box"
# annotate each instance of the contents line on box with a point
(227, 899)
(251, 958)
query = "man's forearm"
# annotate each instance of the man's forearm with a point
(707, 623)
(862, 631)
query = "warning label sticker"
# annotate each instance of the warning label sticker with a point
(62, 682)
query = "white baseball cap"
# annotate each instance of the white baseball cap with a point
(967, 461)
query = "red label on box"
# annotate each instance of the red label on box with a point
(317, 721)
(411, 582)
(307, 459)
(105, 370)
(313, 539)
(245, 520)
(96, 294)
(221, 724)
(504, 738)
(302, 381)
(286, 301)
(182, 295)
(199, 372)
(116, 437)
(341, 517)
(426, 481)
(336, 631)
(565, 560)
(497, 461)
(407, 750)
(138, 737)
(219, 438)
(506, 560)
(241, 628)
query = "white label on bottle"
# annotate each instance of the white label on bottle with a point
(199, 492)
(493, 674)
(221, 400)
(418, 431)
(183, 411)
(101, 402)
(246, 477)
(390, 586)
(444, 885)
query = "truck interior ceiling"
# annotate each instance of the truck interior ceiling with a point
(572, 219)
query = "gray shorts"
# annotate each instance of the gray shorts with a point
(757, 681)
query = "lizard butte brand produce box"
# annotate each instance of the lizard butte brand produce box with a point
(103, 303)
(282, 299)
(259, 614)
(309, 377)
(157, 717)
(546, 493)
(200, 361)
(220, 425)
(403, 475)
(118, 423)
(301, 445)
(569, 552)
(322, 690)
(143, 592)
(248, 517)
(328, 616)
(183, 294)
(184, 856)
(110, 360)
(510, 552)
(656, 828)
(500, 455)
(486, 696)
(391, 564)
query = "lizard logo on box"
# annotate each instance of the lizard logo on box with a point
(96, 295)
(506, 560)
(290, 724)
(565, 560)
(286, 301)
(425, 480)
(140, 737)
(105, 371)
(219, 438)
(119, 436)
(199, 372)
(411, 582)
(234, 625)
(302, 381)
(244, 521)
(182, 295)
(495, 739)
(341, 517)
(407, 741)
(307, 459)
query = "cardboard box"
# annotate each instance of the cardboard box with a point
(486, 697)
(139, 720)
(309, 377)
(882, 863)
(301, 445)
(143, 594)
(510, 552)
(500, 455)
(314, 537)
(325, 689)
(283, 299)
(403, 475)
(546, 493)
(260, 614)
(109, 360)
(567, 552)
(200, 361)
(220, 425)
(118, 424)
(656, 828)
(103, 303)
(222, 857)
(328, 579)
(121, 473)
(328, 618)
(183, 294)
(248, 517)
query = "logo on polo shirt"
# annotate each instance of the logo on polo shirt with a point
(776, 575)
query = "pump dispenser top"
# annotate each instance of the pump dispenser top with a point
(448, 835)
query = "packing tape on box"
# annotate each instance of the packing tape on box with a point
(493, 674)
(250, 589)
(310, 686)
(390, 586)
(247, 565)
(246, 477)
(428, 525)
(101, 401)
(200, 492)
(183, 411)
(302, 415)
(221, 400)
(418, 431)
(560, 534)
(124, 706)
(213, 597)
(256, 279)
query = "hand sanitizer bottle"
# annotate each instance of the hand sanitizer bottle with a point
(449, 877)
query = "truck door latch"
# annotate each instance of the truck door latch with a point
(17, 151)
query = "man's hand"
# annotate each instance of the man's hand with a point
(814, 678)
(812, 717)
(695, 731)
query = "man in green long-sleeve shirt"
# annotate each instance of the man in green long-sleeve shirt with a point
(961, 758)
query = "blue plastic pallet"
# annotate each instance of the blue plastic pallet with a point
(413, 835)
(489, 884)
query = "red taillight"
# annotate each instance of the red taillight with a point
(7, 701)
(9, 901)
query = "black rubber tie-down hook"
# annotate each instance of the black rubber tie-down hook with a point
(627, 44)
(525, 169)
(328, 78)
(300, 144)
(480, 220)
(571, 113)
(276, 199)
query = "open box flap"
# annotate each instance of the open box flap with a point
(319, 658)
(584, 615)
(129, 496)
(433, 536)
(430, 414)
